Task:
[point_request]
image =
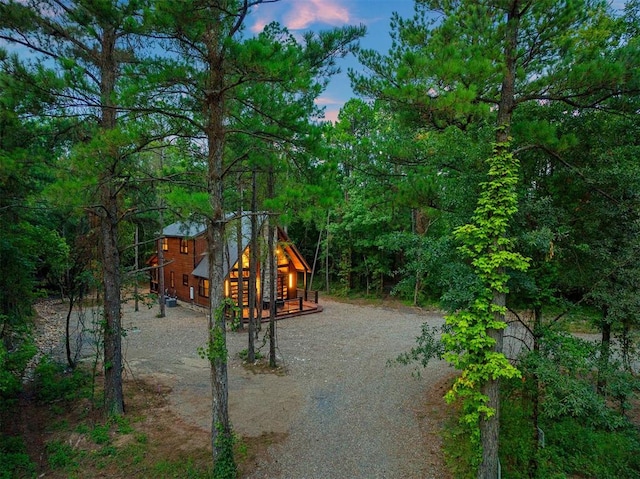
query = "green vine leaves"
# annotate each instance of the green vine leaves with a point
(469, 346)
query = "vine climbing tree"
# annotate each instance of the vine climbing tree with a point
(474, 343)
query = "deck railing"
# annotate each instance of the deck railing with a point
(306, 294)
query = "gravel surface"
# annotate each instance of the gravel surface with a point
(343, 413)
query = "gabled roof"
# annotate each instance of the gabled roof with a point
(231, 254)
(187, 229)
(294, 255)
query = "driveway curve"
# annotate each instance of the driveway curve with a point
(341, 410)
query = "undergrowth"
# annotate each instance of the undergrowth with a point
(78, 441)
(567, 447)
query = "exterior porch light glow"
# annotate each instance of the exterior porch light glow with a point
(290, 280)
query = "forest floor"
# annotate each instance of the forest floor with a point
(334, 408)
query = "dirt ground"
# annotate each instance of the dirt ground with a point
(333, 409)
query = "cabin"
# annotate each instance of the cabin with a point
(183, 248)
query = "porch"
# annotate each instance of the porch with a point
(305, 303)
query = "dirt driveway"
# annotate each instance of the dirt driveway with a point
(342, 411)
(337, 409)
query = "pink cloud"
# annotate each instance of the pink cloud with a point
(306, 12)
(259, 25)
(331, 115)
(325, 100)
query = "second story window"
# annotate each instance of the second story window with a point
(165, 244)
(184, 246)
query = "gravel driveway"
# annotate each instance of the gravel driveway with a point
(343, 413)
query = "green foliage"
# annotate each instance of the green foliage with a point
(216, 348)
(14, 458)
(179, 469)
(571, 446)
(53, 382)
(585, 429)
(568, 369)
(100, 434)
(517, 446)
(244, 354)
(12, 366)
(429, 346)
(461, 452)
(468, 346)
(225, 466)
(61, 455)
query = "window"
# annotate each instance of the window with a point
(184, 245)
(165, 244)
(203, 288)
(185, 279)
(172, 280)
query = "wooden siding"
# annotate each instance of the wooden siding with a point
(181, 264)
(183, 285)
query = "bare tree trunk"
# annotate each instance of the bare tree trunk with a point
(326, 267)
(605, 351)
(272, 301)
(253, 268)
(273, 274)
(136, 307)
(67, 342)
(240, 256)
(535, 393)
(161, 296)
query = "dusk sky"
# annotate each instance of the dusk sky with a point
(302, 15)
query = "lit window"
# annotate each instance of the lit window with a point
(184, 246)
(165, 244)
(203, 288)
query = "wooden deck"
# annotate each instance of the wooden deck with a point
(287, 309)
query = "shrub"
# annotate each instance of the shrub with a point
(53, 382)
(60, 455)
(14, 459)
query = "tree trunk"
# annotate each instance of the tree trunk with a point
(535, 393)
(67, 342)
(326, 268)
(221, 435)
(626, 343)
(273, 274)
(161, 298)
(605, 351)
(253, 268)
(109, 218)
(490, 427)
(136, 300)
(240, 258)
(113, 394)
